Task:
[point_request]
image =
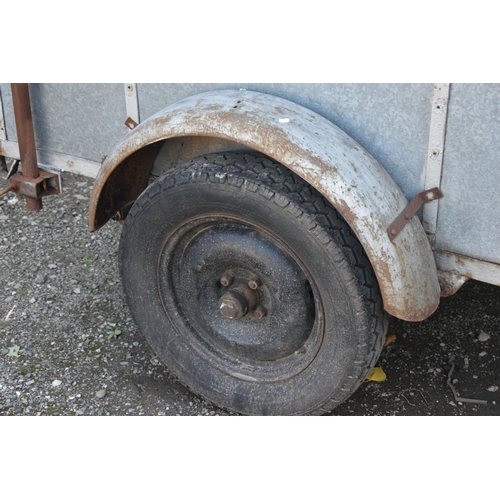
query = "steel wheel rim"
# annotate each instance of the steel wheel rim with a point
(194, 258)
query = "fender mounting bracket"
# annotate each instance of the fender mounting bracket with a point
(411, 209)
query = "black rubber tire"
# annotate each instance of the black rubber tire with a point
(351, 321)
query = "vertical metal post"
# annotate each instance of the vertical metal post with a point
(26, 138)
(3, 132)
(131, 101)
(3, 137)
(434, 164)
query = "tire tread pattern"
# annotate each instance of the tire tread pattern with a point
(275, 182)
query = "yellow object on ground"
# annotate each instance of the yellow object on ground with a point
(376, 375)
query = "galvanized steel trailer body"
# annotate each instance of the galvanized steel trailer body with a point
(309, 145)
(425, 135)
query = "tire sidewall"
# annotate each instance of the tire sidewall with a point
(162, 209)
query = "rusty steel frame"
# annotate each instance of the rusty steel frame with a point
(312, 147)
(26, 139)
(45, 184)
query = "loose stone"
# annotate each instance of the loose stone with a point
(483, 337)
(41, 279)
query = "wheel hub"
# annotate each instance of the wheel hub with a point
(238, 301)
(239, 298)
(233, 305)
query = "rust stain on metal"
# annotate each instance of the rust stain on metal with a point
(450, 282)
(467, 267)
(324, 156)
(131, 123)
(45, 184)
(32, 182)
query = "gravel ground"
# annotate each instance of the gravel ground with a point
(68, 345)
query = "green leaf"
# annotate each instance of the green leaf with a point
(13, 351)
(114, 334)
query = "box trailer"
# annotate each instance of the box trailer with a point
(269, 230)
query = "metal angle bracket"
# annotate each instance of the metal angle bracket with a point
(131, 123)
(8, 167)
(45, 184)
(411, 209)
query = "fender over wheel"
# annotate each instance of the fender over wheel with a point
(250, 287)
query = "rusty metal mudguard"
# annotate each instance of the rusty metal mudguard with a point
(312, 147)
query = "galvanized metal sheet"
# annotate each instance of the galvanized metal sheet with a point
(50, 159)
(469, 213)
(82, 120)
(3, 132)
(391, 121)
(324, 156)
(8, 111)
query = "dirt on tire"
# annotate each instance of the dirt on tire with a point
(68, 344)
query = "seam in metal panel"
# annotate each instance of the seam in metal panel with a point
(435, 151)
(53, 159)
(3, 130)
(131, 101)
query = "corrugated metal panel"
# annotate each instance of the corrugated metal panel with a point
(469, 213)
(390, 120)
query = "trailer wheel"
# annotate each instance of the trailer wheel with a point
(250, 287)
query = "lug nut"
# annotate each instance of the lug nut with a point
(254, 283)
(226, 279)
(259, 312)
(233, 305)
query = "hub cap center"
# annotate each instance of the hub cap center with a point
(238, 301)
